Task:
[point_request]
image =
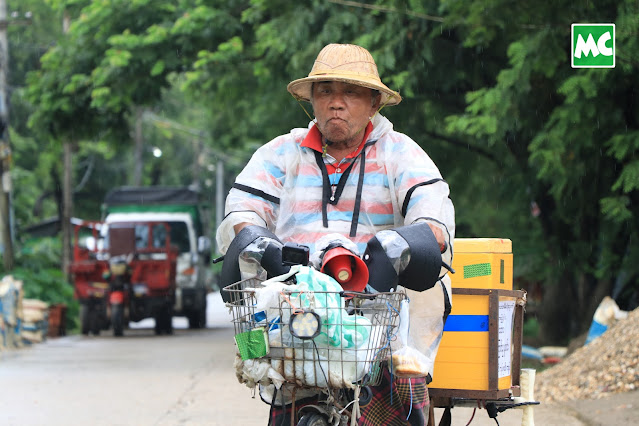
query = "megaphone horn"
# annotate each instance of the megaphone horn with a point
(348, 270)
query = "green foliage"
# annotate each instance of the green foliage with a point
(533, 150)
(30, 178)
(576, 131)
(531, 328)
(27, 43)
(38, 267)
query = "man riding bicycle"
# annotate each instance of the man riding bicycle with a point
(350, 174)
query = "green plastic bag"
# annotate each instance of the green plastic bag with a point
(253, 343)
(320, 293)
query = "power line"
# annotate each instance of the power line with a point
(163, 122)
(388, 9)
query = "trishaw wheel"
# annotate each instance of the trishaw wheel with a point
(197, 319)
(313, 419)
(117, 318)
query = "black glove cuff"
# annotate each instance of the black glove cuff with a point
(422, 272)
(230, 267)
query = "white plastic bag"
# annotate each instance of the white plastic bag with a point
(407, 361)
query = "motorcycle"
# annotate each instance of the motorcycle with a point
(315, 335)
(141, 276)
(119, 279)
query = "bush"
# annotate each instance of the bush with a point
(531, 328)
(38, 266)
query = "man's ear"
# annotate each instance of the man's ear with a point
(376, 102)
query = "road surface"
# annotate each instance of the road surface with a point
(143, 379)
(140, 379)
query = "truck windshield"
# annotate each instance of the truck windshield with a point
(179, 236)
(117, 241)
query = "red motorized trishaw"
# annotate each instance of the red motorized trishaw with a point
(123, 273)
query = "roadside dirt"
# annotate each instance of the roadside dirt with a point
(598, 382)
(607, 365)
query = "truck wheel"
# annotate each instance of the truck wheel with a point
(117, 318)
(84, 319)
(164, 320)
(89, 319)
(197, 319)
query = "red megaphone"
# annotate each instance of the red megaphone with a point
(348, 270)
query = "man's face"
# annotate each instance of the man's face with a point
(342, 111)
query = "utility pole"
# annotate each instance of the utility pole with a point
(138, 153)
(6, 234)
(5, 147)
(198, 159)
(219, 192)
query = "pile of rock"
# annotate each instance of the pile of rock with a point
(608, 364)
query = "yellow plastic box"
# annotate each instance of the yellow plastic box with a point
(482, 263)
(479, 355)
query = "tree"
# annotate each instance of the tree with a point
(573, 135)
(489, 89)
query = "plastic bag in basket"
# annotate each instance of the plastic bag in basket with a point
(339, 355)
(320, 293)
(407, 361)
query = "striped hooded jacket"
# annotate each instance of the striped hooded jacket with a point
(285, 187)
(391, 182)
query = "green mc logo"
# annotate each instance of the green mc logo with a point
(593, 45)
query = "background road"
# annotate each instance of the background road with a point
(183, 379)
(140, 379)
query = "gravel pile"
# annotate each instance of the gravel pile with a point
(608, 364)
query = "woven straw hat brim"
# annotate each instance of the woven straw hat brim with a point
(301, 88)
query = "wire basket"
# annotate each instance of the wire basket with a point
(318, 339)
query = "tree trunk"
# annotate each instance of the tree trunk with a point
(556, 314)
(5, 218)
(67, 210)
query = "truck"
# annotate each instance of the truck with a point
(184, 211)
(124, 273)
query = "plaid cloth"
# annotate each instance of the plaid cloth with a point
(390, 405)
(406, 402)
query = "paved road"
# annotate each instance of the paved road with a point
(143, 379)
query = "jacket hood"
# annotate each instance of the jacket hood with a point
(381, 127)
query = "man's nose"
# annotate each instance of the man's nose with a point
(336, 101)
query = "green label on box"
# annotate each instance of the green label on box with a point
(252, 344)
(477, 270)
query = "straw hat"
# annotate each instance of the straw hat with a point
(347, 63)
